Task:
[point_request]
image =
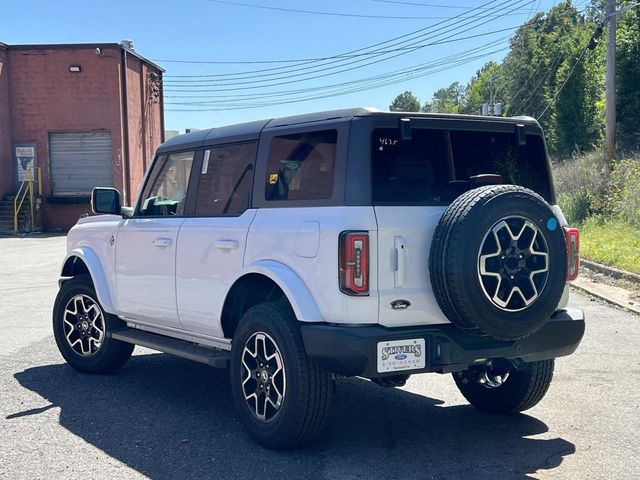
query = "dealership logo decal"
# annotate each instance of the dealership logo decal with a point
(401, 350)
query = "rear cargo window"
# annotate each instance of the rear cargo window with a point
(436, 166)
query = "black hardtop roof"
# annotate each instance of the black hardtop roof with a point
(251, 130)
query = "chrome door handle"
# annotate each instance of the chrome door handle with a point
(162, 242)
(227, 244)
(400, 246)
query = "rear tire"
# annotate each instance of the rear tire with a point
(81, 328)
(522, 389)
(281, 396)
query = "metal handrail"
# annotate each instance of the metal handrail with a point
(27, 185)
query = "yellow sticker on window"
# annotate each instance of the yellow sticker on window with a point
(273, 179)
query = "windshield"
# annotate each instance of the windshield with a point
(436, 166)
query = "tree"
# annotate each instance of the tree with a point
(405, 102)
(628, 79)
(478, 89)
(447, 100)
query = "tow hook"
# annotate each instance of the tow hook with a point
(489, 375)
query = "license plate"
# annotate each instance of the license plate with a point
(399, 355)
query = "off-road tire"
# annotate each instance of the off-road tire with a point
(111, 355)
(307, 398)
(522, 390)
(454, 256)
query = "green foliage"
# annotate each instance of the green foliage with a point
(584, 190)
(624, 191)
(612, 242)
(581, 186)
(478, 89)
(628, 78)
(405, 102)
(447, 100)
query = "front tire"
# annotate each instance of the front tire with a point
(81, 328)
(281, 396)
(521, 390)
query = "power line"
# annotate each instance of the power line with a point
(332, 14)
(590, 46)
(287, 78)
(320, 59)
(332, 94)
(433, 5)
(584, 50)
(367, 83)
(204, 78)
(552, 67)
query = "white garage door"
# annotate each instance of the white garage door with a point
(80, 161)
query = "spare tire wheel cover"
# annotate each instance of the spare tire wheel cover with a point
(498, 262)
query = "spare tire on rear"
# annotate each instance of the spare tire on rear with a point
(498, 262)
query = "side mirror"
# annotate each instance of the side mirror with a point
(106, 200)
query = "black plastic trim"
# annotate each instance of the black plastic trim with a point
(352, 350)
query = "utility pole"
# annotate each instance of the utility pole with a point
(610, 86)
(491, 107)
(491, 95)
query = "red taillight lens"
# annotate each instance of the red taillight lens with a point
(354, 263)
(572, 237)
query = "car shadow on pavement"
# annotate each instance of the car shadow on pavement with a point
(170, 418)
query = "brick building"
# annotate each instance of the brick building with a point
(87, 115)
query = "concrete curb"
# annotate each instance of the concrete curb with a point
(614, 295)
(611, 271)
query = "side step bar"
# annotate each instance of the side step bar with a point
(211, 356)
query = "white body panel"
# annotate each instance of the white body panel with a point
(210, 257)
(286, 236)
(146, 268)
(404, 240)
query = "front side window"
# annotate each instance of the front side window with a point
(226, 180)
(166, 191)
(301, 166)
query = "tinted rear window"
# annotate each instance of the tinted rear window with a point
(301, 166)
(436, 166)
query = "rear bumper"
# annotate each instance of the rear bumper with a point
(352, 350)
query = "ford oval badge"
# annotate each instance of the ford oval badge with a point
(400, 304)
(401, 356)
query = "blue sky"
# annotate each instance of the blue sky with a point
(205, 30)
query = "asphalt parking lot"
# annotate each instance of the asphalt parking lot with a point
(164, 417)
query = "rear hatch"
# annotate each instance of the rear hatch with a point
(416, 174)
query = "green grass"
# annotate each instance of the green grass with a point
(611, 242)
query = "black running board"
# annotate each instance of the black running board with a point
(211, 356)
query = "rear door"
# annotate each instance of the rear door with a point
(211, 244)
(408, 207)
(414, 180)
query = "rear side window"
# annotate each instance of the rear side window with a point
(436, 166)
(226, 179)
(301, 166)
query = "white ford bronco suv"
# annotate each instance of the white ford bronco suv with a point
(299, 250)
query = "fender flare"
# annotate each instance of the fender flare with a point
(294, 288)
(102, 287)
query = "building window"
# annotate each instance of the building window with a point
(301, 166)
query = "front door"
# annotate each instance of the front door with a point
(211, 245)
(146, 244)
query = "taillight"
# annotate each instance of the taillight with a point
(354, 263)
(572, 237)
